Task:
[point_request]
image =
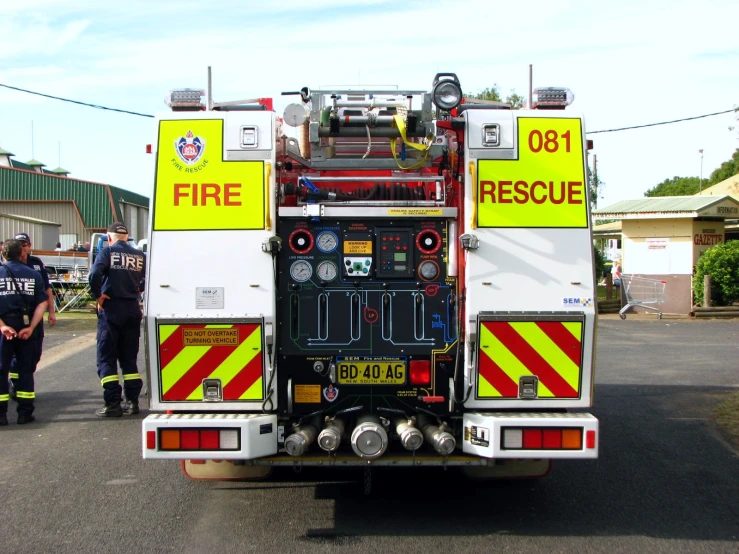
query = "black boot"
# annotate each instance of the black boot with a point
(3, 420)
(133, 406)
(110, 410)
(23, 419)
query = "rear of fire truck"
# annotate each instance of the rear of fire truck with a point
(378, 278)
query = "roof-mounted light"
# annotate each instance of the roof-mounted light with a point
(552, 98)
(446, 92)
(185, 98)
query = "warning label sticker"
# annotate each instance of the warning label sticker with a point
(415, 211)
(307, 394)
(210, 337)
(357, 247)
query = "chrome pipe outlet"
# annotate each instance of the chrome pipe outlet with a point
(329, 438)
(297, 444)
(410, 437)
(443, 442)
(369, 438)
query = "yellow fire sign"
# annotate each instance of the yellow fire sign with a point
(544, 187)
(196, 189)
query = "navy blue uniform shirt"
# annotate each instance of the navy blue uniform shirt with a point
(30, 285)
(37, 265)
(118, 271)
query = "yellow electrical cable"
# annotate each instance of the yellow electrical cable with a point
(267, 204)
(473, 183)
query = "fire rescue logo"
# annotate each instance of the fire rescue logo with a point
(330, 393)
(190, 148)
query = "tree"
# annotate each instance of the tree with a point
(726, 170)
(493, 93)
(721, 262)
(677, 186)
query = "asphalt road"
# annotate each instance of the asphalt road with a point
(665, 481)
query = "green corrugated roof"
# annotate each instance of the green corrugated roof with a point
(661, 204)
(92, 199)
(15, 164)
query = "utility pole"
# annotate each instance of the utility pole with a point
(700, 190)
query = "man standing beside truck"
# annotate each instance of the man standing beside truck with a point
(22, 306)
(38, 338)
(116, 281)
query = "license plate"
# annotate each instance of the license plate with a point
(371, 373)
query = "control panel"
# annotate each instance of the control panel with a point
(365, 304)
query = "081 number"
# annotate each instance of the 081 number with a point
(548, 140)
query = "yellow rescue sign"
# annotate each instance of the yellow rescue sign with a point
(196, 189)
(544, 187)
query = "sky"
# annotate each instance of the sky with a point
(628, 63)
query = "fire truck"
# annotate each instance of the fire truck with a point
(377, 278)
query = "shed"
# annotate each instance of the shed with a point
(663, 237)
(44, 234)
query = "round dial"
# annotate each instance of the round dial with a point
(327, 242)
(428, 270)
(327, 271)
(301, 271)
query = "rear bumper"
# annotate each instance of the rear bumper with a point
(496, 435)
(254, 439)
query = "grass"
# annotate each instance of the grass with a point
(727, 417)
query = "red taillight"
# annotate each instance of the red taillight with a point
(590, 439)
(420, 372)
(532, 438)
(190, 439)
(552, 439)
(545, 438)
(148, 148)
(210, 439)
(151, 440)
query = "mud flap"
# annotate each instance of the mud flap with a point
(222, 470)
(510, 469)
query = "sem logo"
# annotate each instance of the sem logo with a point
(579, 302)
(190, 148)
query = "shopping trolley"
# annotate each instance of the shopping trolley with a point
(643, 292)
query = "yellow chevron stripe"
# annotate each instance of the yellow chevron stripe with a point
(548, 350)
(505, 360)
(165, 331)
(254, 392)
(485, 389)
(574, 327)
(183, 361)
(238, 360)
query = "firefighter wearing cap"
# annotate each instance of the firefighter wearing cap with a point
(38, 339)
(116, 281)
(23, 302)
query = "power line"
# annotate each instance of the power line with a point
(148, 115)
(76, 101)
(660, 123)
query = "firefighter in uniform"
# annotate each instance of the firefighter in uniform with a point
(116, 281)
(38, 339)
(23, 302)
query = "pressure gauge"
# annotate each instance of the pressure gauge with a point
(301, 271)
(428, 270)
(327, 271)
(327, 242)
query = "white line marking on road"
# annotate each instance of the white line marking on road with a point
(73, 345)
